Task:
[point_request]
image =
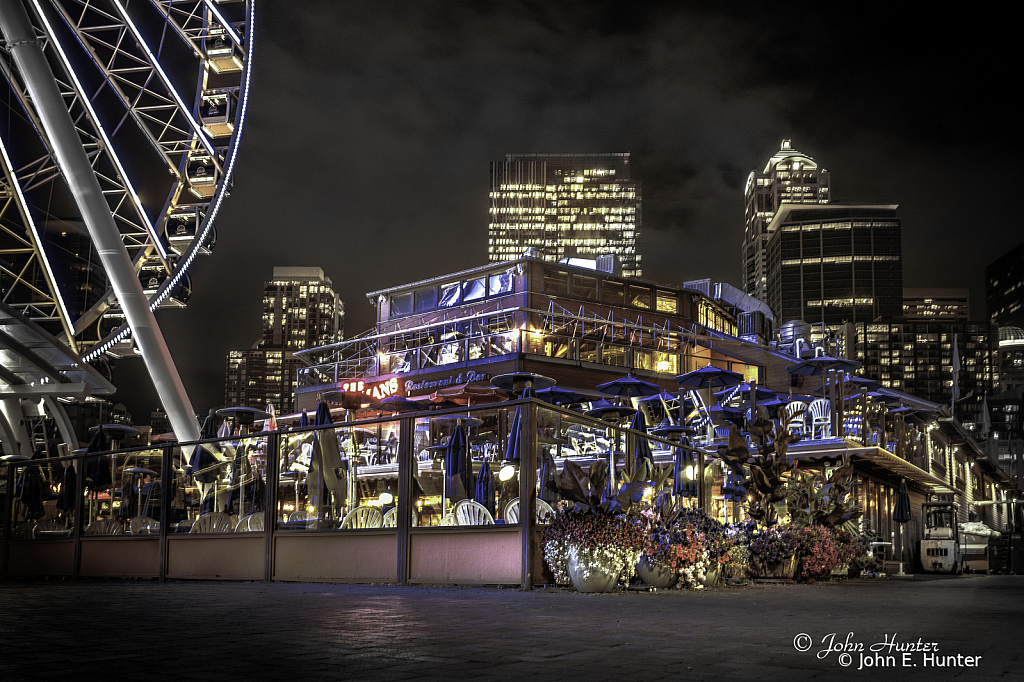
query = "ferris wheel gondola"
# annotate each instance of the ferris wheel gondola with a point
(158, 91)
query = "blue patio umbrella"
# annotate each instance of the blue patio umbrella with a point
(456, 464)
(709, 377)
(97, 469)
(901, 511)
(681, 485)
(821, 365)
(641, 446)
(556, 395)
(629, 386)
(513, 448)
(303, 420)
(484, 492)
(743, 391)
(66, 496)
(733, 487)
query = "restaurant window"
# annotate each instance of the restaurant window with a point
(502, 283)
(614, 355)
(401, 304)
(666, 362)
(556, 282)
(449, 295)
(613, 293)
(584, 287)
(474, 289)
(426, 299)
(667, 303)
(640, 297)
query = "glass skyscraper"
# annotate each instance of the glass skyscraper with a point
(567, 206)
(790, 177)
(835, 264)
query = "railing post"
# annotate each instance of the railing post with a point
(275, 442)
(7, 520)
(406, 463)
(168, 478)
(527, 492)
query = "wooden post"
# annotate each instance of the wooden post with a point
(406, 471)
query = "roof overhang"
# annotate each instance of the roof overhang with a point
(878, 457)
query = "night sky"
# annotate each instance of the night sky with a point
(372, 125)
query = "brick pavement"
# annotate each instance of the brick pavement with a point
(284, 631)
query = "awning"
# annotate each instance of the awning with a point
(835, 448)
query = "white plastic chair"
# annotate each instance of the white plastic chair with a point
(243, 525)
(214, 522)
(447, 520)
(143, 525)
(363, 517)
(470, 513)
(793, 422)
(391, 518)
(544, 511)
(105, 527)
(256, 523)
(820, 414)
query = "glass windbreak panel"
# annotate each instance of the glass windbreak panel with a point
(556, 282)
(474, 289)
(401, 304)
(221, 488)
(615, 355)
(122, 494)
(667, 303)
(502, 283)
(372, 450)
(449, 295)
(458, 461)
(666, 362)
(440, 354)
(640, 297)
(588, 351)
(643, 359)
(584, 286)
(613, 293)
(425, 299)
(41, 504)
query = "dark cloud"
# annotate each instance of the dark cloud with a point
(373, 124)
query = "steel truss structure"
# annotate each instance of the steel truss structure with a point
(158, 92)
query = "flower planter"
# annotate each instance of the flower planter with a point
(780, 570)
(713, 575)
(655, 575)
(590, 577)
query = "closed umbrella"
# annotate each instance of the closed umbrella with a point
(641, 447)
(326, 472)
(455, 463)
(484, 493)
(513, 448)
(901, 513)
(202, 460)
(303, 420)
(682, 485)
(733, 488)
(66, 496)
(546, 475)
(97, 469)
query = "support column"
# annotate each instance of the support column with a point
(78, 174)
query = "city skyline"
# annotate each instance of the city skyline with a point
(371, 134)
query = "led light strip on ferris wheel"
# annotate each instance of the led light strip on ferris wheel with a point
(103, 133)
(172, 282)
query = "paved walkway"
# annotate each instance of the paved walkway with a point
(253, 631)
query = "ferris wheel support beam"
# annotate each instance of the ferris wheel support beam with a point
(99, 221)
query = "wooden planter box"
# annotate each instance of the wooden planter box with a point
(781, 570)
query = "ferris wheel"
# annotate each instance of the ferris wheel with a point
(158, 92)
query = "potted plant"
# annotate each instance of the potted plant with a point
(771, 551)
(593, 545)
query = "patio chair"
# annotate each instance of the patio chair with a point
(544, 511)
(363, 517)
(820, 414)
(447, 520)
(44, 528)
(184, 526)
(795, 422)
(104, 527)
(243, 525)
(257, 522)
(391, 518)
(144, 525)
(214, 522)
(470, 513)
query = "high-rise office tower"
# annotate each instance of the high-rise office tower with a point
(300, 310)
(1004, 288)
(789, 178)
(567, 206)
(936, 305)
(835, 264)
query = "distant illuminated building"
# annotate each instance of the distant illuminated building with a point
(300, 310)
(1004, 288)
(835, 264)
(567, 206)
(936, 305)
(789, 178)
